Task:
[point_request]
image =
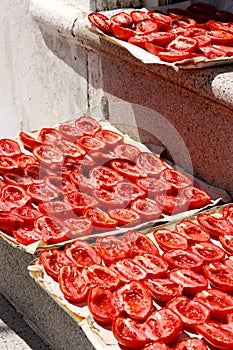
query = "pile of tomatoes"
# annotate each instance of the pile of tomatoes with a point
(152, 288)
(79, 179)
(198, 31)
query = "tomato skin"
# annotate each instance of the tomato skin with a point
(126, 151)
(227, 243)
(217, 334)
(52, 230)
(127, 191)
(191, 281)
(59, 209)
(191, 344)
(82, 254)
(128, 270)
(26, 236)
(191, 312)
(183, 43)
(69, 132)
(98, 275)
(212, 53)
(28, 214)
(29, 142)
(8, 164)
(110, 138)
(40, 192)
(99, 219)
(147, 209)
(9, 222)
(163, 289)
(219, 303)
(215, 226)
(108, 199)
(220, 275)
(146, 26)
(47, 155)
(197, 198)
(111, 249)
(127, 169)
(167, 240)
(9, 148)
(134, 300)
(122, 19)
(124, 216)
(173, 56)
(152, 264)
(78, 227)
(73, 284)
(192, 231)
(90, 143)
(171, 204)
(207, 251)
(102, 304)
(52, 261)
(100, 21)
(139, 244)
(179, 258)
(49, 135)
(154, 49)
(14, 196)
(150, 163)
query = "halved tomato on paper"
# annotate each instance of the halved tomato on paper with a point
(52, 230)
(87, 125)
(82, 254)
(100, 219)
(78, 227)
(72, 284)
(197, 197)
(139, 244)
(111, 249)
(101, 22)
(9, 148)
(147, 209)
(124, 216)
(98, 275)
(163, 289)
(53, 260)
(69, 132)
(126, 151)
(151, 164)
(193, 232)
(14, 196)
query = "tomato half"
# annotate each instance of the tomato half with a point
(121, 33)
(167, 240)
(197, 198)
(41, 192)
(8, 165)
(29, 142)
(135, 300)
(59, 209)
(52, 229)
(127, 169)
(176, 179)
(60, 184)
(127, 191)
(156, 346)
(69, 132)
(221, 37)
(150, 163)
(82, 254)
(191, 344)
(87, 125)
(191, 281)
(80, 201)
(192, 231)
(153, 186)
(48, 155)
(207, 251)
(49, 135)
(219, 303)
(24, 159)
(154, 49)
(211, 52)
(111, 249)
(183, 44)
(126, 151)
(9, 222)
(102, 304)
(28, 214)
(139, 244)
(124, 216)
(26, 236)
(146, 208)
(215, 226)
(146, 26)
(152, 264)
(110, 138)
(163, 289)
(227, 242)
(78, 227)
(220, 275)
(14, 196)
(90, 143)
(173, 56)
(191, 312)
(17, 180)
(171, 204)
(100, 21)
(73, 284)
(105, 177)
(108, 199)
(217, 334)
(99, 219)
(162, 38)
(138, 15)
(98, 275)
(128, 270)
(179, 258)
(9, 148)
(69, 149)
(122, 19)
(52, 261)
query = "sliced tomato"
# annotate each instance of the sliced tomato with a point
(135, 300)
(138, 15)
(17, 180)
(128, 191)
(8, 165)
(173, 56)
(192, 231)
(191, 344)
(82, 254)
(9, 222)
(122, 19)
(111, 249)
(87, 125)
(147, 209)
(220, 275)
(212, 53)
(81, 182)
(202, 40)
(191, 312)
(49, 135)
(90, 143)
(179, 258)
(191, 281)
(69, 149)
(52, 261)
(28, 214)
(41, 192)
(105, 177)
(171, 204)
(183, 44)
(162, 38)
(26, 236)
(51, 229)
(80, 201)
(219, 303)
(100, 21)
(227, 242)
(184, 22)
(60, 184)
(215, 226)
(9, 148)
(48, 155)
(156, 346)
(169, 240)
(150, 163)
(82, 165)
(176, 179)
(102, 304)
(98, 275)
(146, 26)
(153, 186)
(101, 158)
(126, 151)
(163, 21)
(59, 209)
(139, 244)
(197, 198)
(107, 199)
(127, 169)
(152, 264)
(78, 227)
(122, 33)
(154, 49)
(73, 284)
(163, 289)
(37, 172)
(110, 138)
(128, 270)
(100, 219)
(220, 37)
(69, 132)
(14, 196)
(29, 141)
(226, 49)
(209, 252)
(124, 216)
(217, 334)
(24, 159)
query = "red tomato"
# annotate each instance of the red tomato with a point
(139, 244)
(110, 138)
(14, 196)
(212, 53)
(49, 135)
(8, 165)
(163, 289)
(52, 261)
(207, 251)
(162, 38)
(191, 281)
(127, 169)
(135, 300)
(154, 49)
(111, 249)
(80, 201)
(227, 242)
(60, 184)
(102, 304)
(82, 254)
(167, 240)
(158, 16)
(26, 236)
(215, 226)
(73, 284)
(126, 151)
(122, 19)
(69, 132)
(220, 37)
(184, 22)
(192, 231)
(52, 230)
(17, 180)
(219, 303)
(156, 346)
(9, 148)
(150, 163)
(29, 142)
(81, 182)
(9, 222)
(41, 192)
(197, 198)
(174, 56)
(127, 191)
(48, 155)
(105, 177)
(223, 16)
(153, 186)
(191, 312)
(176, 179)
(87, 125)
(171, 204)
(98, 275)
(100, 219)
(82, 165)
(220, 275)
(146, 26)
(124, 216)
(101, 158)
(59, 209)
(69, 149)
(217, 334)
(24, 159)
(183, 44)
(191, 344)
(100, 21)
(78, 227)
(128, 270)
(179, 258)
(147, 209)
(37, 172)
(90, 143)
(152, 264)
(28, 214)
(202, 40)
(230, 318)
(108, 199)
(138, 15)
(122, 33)
(226, 49)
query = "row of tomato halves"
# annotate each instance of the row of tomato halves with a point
(79, 179)
(150, 299)
(198, 31)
